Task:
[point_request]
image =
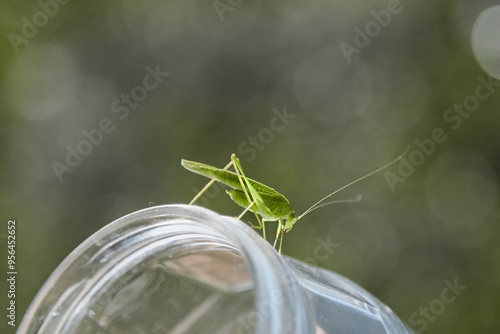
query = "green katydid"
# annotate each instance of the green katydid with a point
(261, 199)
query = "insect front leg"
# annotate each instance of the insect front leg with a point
(208, 185)
(278, 229)
(281, 238)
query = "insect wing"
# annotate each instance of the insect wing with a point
(226, 177)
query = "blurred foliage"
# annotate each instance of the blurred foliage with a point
(228, 70)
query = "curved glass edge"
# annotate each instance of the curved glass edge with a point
(280, 302)
(333, 292)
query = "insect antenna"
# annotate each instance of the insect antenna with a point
(320, 203)
(349, 200)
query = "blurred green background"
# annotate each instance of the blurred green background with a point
(354, 83)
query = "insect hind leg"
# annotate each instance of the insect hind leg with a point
(198, 195)
(246, 209)
(239, 171)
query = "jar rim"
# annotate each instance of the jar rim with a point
(280, 304)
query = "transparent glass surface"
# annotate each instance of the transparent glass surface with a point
(182, 269)
(342, 306)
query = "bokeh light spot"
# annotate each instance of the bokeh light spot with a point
(154, 21)
(329, 90)
(42, 82)
(486, 41)
(461, 189)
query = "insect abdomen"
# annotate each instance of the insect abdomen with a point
(278, 207)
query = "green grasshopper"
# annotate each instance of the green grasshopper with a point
(261, 199)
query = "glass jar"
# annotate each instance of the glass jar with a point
(183, 269)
